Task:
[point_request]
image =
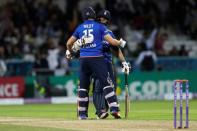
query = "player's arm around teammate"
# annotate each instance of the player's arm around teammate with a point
(72, 41)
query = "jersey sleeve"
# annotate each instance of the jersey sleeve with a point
(112, 34)
(104, 30)
(76, 33)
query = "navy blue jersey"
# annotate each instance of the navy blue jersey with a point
(106, 49)
(96, 31)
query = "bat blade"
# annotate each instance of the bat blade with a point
(77, 99)
(127, 102)
(127, 99)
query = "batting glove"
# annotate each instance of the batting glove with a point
(126, 67)
(77, 45)
(68, 54)
(87, 40)
(81, 42)
(122, 43)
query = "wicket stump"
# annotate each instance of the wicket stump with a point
(178, 86)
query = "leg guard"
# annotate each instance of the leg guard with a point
(111, 98)
(83, 101)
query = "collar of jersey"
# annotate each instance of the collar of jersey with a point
(89, 20)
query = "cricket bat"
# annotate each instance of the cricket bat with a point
(127, 99)
(77, 99)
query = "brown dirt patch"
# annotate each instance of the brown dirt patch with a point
(97, 125)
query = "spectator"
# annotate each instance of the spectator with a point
(26, 25)
(173, 51)
(149, 38)
(29, 56)
(183, 51)
(159, 43)
(146, 59)
(41, 61)
(17, 53)
(53, 54)
(3, 67)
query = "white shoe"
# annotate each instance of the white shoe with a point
(103, 115)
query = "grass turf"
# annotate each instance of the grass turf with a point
(140, 110)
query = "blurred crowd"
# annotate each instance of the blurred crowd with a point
(33, 31)
(36, 31)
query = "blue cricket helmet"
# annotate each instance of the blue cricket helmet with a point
(105, 14)
(88, 13)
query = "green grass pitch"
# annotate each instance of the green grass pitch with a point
(139, 110)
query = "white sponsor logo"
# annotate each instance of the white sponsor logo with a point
(150, 89)
(9, 90)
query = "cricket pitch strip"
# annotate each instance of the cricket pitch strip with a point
(97, 125)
